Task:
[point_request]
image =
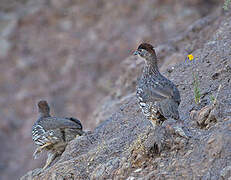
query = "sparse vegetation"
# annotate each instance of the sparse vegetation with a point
(226, 5)
(197, 93)
(212, 99)
(215, 98)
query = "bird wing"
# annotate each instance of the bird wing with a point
(164, 89)
(160, 92)
(61, 123)
(154, 89)
(154, 92)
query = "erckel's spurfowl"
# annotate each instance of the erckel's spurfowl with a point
(158, 97)
(52, 133)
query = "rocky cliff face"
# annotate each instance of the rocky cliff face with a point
(124, 146)
(73, 53)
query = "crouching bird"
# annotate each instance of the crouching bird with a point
(52, 133)
(158, 97)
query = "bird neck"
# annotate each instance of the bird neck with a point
(151, 67)
(44, 114)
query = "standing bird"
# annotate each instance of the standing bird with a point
(52, 134)
(158, 97)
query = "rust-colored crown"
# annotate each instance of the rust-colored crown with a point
(44, 107)
(147, 47)
(43, 104)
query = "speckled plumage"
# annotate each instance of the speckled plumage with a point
(52, 134)
(158, 97)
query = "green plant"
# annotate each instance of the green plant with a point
(226, 5)
(212, 99)
(197, 93)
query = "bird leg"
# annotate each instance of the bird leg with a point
(50, 157)
(39, 149)
(156, 118)
(154, 122)
(77, 136)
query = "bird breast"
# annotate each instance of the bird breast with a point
(41, 136)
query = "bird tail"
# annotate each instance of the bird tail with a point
(78, 123)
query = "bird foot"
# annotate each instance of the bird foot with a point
(39, 150)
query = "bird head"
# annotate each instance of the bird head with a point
(43, 107)
(147, 52)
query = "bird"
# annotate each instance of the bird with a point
(52, 134)
(158, 97)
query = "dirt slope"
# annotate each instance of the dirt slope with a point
(124, 146)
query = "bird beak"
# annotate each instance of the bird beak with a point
(137, 52)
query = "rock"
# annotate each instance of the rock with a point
(205, 117)
(226, 172)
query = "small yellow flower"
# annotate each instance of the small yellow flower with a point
(190, 57)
